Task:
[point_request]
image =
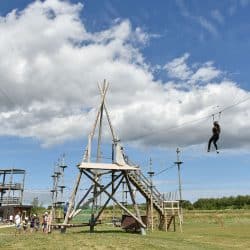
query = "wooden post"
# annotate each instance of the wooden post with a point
(151, 174)
(92, 219)
(178, 163)
(72, 198)
(103, 92)
(137, 211)
(22, 187)
(148, 211)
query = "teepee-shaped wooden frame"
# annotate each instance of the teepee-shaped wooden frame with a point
(119, 170)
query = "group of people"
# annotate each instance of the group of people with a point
(33, 222)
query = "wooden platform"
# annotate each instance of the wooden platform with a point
(105, 166)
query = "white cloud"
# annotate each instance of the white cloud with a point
(216, 15)
(178, 68)
(205, 74)
(202, 21)
(196, 74)
(207, 25)
(52, 65)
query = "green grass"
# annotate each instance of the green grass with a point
(201, 230)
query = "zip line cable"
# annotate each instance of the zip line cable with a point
(197, 120)
(208, 116)
(194, 121)
(166, 169)
(233, 105)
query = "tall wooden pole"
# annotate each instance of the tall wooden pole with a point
(178, 163)
(151, 174)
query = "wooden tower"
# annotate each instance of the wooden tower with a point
(119, 171)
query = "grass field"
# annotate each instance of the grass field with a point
(201, 230)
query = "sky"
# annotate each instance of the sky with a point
(170, 65)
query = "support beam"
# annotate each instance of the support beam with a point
(72, 198)
(106, 111)
(81, 201)
(91, 135)
(107, 201)
(137, 211)
(115, 200)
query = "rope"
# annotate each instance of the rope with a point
(231, 106)
(166, 169)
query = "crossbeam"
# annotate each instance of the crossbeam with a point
(114, 199)
(105, 166)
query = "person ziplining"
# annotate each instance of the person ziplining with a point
(215, 137)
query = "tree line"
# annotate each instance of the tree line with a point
(238, 202)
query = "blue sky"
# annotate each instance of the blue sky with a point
(168, 63)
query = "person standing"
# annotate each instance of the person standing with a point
(37, 223)
(25, 224)
(65, 209)
(45, 222)
(18, 223)
(32, 222)
(50, 218)
(11, 219)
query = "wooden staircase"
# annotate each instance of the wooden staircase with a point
(166, 209)
(143, 185)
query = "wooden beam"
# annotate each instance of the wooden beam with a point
(72, 198)
(137, 211)
(107, 201)
(116, 201)
(107, 113)
(81, 201)
(105, 166)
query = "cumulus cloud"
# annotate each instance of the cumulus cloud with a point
(52, 65)
(179, 69)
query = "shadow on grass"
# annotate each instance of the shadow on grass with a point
(105, 232)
